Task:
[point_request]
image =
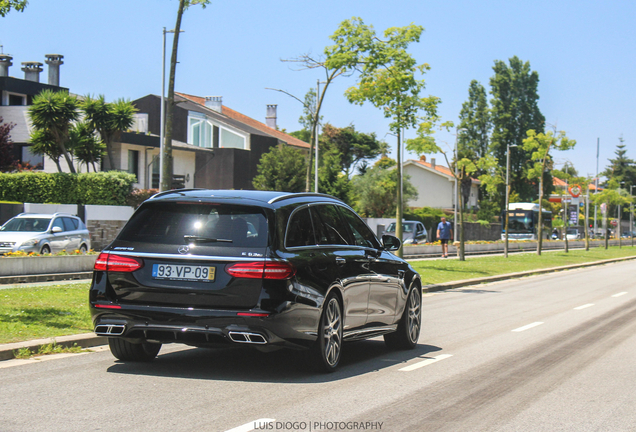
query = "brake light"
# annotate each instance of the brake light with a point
(262, 270)
(117, 263)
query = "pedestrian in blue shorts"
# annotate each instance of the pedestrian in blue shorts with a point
(444, 233)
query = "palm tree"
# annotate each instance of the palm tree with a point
(110, 120)
(52, 114)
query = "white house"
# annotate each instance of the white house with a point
(435, 185)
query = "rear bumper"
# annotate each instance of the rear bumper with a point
(295, 326)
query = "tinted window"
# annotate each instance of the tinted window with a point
(58, 223)
(210, 224)
(26, 224)
(70, 224)
(299, 231)
(328, 225)
(362, 235)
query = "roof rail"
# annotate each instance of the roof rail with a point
(160, 194)
(300, 195)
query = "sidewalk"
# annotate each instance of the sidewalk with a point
(88, 340)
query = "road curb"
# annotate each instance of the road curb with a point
(467, 282)
(85, 340)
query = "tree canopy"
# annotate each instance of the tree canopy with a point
(281, 169)
(7, 5)
(515, 110)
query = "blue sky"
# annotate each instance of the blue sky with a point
(583, 51)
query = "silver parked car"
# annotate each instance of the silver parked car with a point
(414, 232)
(44, 233)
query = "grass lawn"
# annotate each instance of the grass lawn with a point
(44, 311)
(447, 270)
(58, 310)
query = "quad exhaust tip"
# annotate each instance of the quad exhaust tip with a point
(110, 329)
(246, 337)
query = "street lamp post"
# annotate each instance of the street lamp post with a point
(316, 166)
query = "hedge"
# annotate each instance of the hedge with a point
(102, 188)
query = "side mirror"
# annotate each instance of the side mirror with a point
(391, 243)
(56, 229)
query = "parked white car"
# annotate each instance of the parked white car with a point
(44, 233)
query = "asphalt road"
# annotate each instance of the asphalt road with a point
(545, 353)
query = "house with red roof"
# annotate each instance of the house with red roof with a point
(435, 185)
(214, 146)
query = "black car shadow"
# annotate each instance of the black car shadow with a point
(282, 366)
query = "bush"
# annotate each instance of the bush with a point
(137, 196)
(102, 188)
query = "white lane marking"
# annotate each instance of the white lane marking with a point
(426, 362)
(529, 326)
(620, 294)
(585, 306)
(247, 427)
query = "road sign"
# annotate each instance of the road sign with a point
(614, 222)
(575, 190)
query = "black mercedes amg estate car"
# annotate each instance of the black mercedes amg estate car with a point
(266, 269)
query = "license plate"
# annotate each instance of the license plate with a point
(183, 272)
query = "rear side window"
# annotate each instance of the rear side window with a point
(299, 231)
(329, 226)
(70, 224)
(206, 224)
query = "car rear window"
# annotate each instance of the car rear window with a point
(210, 224)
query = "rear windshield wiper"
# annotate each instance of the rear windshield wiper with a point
(197, 239)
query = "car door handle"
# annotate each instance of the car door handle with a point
(340, 261)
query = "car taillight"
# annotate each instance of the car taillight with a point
(262, 270)
(117, 263)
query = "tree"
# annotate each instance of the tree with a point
(611, 195)
(538, 145)
(376, 190)
(331, 179)
(515, 111)
(7, 5)
(52, 114)
(109, 119)
(43, 143)
(621, 168)
(6, 146)
(475, 124)
(335, 61)
(388, 80)
(352, 146)
(281, 169)
(167, 168)
(463, 166)
(87, 148)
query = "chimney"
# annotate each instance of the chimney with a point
(215, 103)
(270, 116)
(32, 71)
(423, 158)
(5, 62)
(54, 61)
(432, 162)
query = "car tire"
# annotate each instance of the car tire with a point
(45, 250)
(410, 325)
(135, 352)
(326, 352)
(83, 249)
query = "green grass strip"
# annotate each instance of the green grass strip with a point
(447, 270)
(43, 312)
